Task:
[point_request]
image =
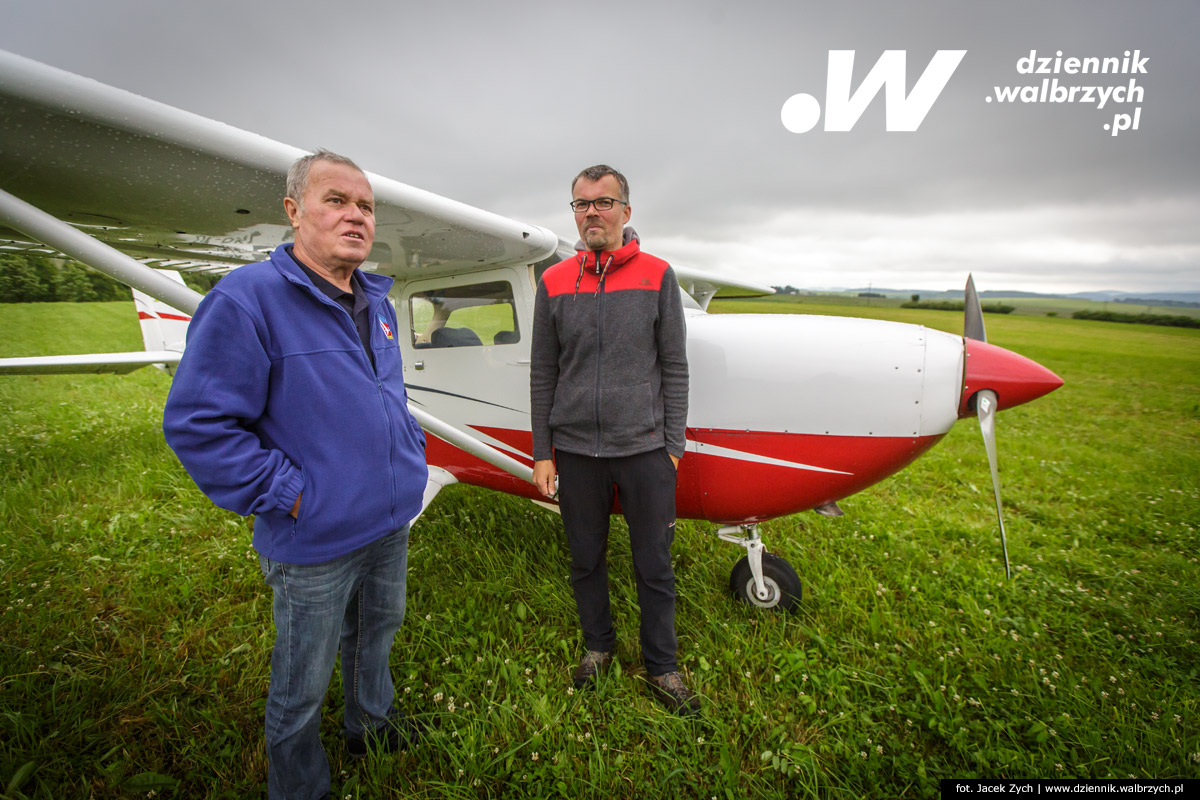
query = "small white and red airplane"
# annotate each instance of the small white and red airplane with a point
(787, 412)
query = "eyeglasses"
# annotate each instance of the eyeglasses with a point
(601, 204)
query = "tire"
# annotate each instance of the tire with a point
(782, 582)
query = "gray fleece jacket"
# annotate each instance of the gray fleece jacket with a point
(608, 374)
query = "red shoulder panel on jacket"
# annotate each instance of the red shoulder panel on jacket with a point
(644, 272)
(560, 278)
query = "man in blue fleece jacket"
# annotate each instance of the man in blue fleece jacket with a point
(608, 387)
(289, 404)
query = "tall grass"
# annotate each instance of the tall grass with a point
(135, 628)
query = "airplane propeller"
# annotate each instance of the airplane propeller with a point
(985, 406)
(973, 313)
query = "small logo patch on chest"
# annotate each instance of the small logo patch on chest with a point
(385, 327)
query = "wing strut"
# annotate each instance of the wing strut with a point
(468, 443)
(53, 232)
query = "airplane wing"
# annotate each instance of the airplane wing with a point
(174, 189)
(90, 363)
(179, 191)
(704, 286)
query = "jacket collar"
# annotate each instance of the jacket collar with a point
(594, 260)
(376, 286)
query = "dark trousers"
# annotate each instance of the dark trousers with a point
(645, 484)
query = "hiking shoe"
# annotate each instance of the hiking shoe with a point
(673, 693)
(396, 734)
(594, 662)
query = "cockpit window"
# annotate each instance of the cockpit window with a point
(464, 316)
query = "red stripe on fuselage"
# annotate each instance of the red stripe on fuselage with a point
(732, 488)
(147, 315)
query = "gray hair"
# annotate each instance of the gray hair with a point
(297, 177)
(599, 171)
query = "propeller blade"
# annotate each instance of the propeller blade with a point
(972, 313)
(985, 404)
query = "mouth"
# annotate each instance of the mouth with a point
(352, 235)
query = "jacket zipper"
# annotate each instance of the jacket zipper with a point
(374, 373)
(599, 346)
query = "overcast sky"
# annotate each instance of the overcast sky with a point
(500, 104)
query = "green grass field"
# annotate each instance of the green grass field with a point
(135, 628)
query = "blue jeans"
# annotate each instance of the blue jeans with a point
(357, 601)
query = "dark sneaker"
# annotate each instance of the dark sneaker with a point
(594, 662)
(673, 693)
(398, 734)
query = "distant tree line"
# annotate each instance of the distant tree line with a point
(957, 305)
(1142, 301)
(30, 278)
(1171, 320)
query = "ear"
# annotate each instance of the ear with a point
(628, 213)
(293, 211)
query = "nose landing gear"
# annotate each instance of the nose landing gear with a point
(761, 579)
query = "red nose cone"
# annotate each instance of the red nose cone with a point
(1015, 379)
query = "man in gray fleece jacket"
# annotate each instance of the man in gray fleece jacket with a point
(609, 392)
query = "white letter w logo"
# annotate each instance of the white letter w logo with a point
(842, 109)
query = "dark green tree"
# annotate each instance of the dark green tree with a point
(26, 279)
(72, 284)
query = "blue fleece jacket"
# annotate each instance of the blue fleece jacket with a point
(275, 396)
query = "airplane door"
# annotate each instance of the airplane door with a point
(466, 352)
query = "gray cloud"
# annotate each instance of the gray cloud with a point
(499, 106)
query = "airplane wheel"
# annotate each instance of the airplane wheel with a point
(782, 582)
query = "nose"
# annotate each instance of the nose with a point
(1014, 378)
